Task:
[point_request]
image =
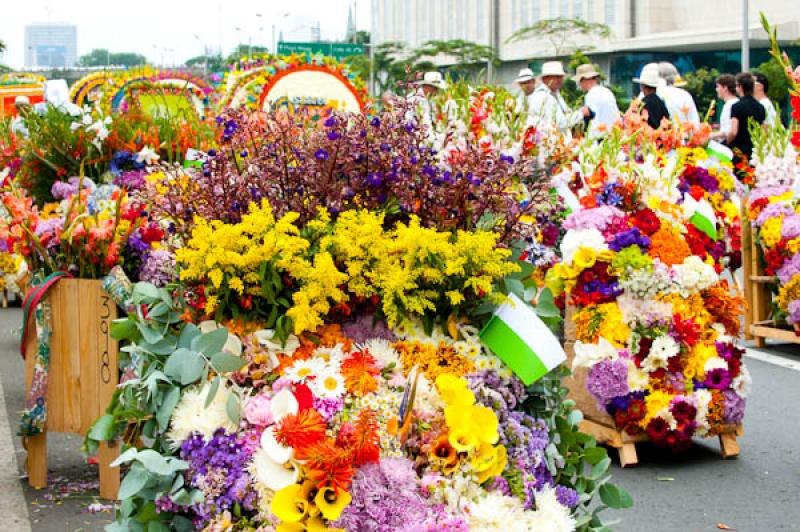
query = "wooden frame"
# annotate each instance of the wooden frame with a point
(758, 323)
(601, 426)
(83, 374)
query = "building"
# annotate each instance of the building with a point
(690, 33)
(51, 45)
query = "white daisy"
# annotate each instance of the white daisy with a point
(303, 370)
(328, 385)
(332, 356)
(382, 351)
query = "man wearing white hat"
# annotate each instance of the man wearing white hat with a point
(655, 107)
(679, 102)
(527, 84)
(430, 84)
(547, 106)
(599, 100)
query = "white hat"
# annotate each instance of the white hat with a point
(553, 68)
(649, 76)
(526, 74)
(434, 79)
(585, 72)
(24, 100)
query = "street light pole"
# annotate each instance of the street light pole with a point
(745, 36)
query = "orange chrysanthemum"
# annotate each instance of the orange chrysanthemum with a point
(328, 464)
(359, 373)
(725, 307)
(301, 431)
(666, 244)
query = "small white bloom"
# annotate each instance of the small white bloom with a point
(192, 415)
(303, 370)
(328, 385)
(147, 156)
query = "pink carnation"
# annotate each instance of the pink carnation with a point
(257, 411)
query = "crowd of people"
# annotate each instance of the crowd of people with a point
(662, 97)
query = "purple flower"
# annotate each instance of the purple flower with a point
(158, 268)
(567, 496)
(131, 180)
(321, 154)
(789, 269)
(718, 379)
(333, 135)
(791, 227)
(773, 210)
(734, 407)
(608, 379)
(631, 237)
(794, 312)
(366, 327)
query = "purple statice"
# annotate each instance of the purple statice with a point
(366, 327)
(328, 408)
(158, 267)
(794, 312)
(773, 210)
(791, 227)
(137, 245)
(131, 180)
(608, 379)
(597, 218)
(66, 189)
(218, 468)
(631, 237)
(567, 496)
(500, 484)
(734, 407)
(789, 269)
(386, 497)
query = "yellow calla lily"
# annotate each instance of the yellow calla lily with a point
(500, 462)
(316, 524)
(453, 390)
(291, 527)
(288, 505)
(332, 502)
(484, 457)
(463, 439)
(485, 422)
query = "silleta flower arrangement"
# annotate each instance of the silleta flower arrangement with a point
(656, 327)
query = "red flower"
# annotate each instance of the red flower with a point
(657, 430)
(302, 430)
(305, 399)
(647, 221)
(687, 331)
(683, 411)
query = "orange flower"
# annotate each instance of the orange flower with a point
(301, 431)
(328, 464)
(725, 307)
(668, 245)
(358, 372)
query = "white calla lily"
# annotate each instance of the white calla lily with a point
(283, 404)
(276, 452)
(272, 474)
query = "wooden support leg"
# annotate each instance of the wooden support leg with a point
(729, 445)
(627, 454)
(36, 461)
(109, 476)
(760, 341)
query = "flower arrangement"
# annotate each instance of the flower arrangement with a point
(655, 324)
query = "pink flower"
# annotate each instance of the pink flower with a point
(258, 411)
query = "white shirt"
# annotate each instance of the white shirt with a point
(420, 110)
(548, 109)
(602, 102)
(770, 109)
(725, 116)
(680, 105)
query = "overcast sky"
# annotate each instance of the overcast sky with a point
(174, 29)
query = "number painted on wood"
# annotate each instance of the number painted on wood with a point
(105, 359)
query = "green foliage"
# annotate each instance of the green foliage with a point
(701, 85)
(102, 57)
(561, 32)
(579, 462)
(468, 57)
(213, 63)
(2, 46)
(245, 50)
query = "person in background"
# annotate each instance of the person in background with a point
(547, 106)
(679, 102)
(656, 109)
(760, 90)
(425, 89)
(726, 91)
(742, 112)
(527, 84)
(600, 101)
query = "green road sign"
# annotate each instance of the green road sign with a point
(336, 50)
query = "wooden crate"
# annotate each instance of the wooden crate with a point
(758, 322)
(601, 426)
(82, 377)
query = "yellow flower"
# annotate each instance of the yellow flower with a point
(316, 524)
(462, 438)
(454, 391)
(331, 503)
(656, 401)
(497, 466)
(584, 258)
(485, 422)
(289, 505)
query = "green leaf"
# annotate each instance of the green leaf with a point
(514, 286)
(144, 293)
(157, 526)
(575, 417)
(600, 468)
(164, 412)
(147, 513)
(193, 369)
(232, 408)
(615, 497)
(593, 455)
(123, 329)
(176, 362)
(134, 481)
(181, 497)
(182, 524)
(190, 332)
(226, 363)
(212, 392)
(159, 310)
(103, 428)
(546, 305)
(211, 342)
(149, 334)
(125, 457)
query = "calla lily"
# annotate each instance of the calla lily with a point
(272, 474)
(331, 502)
(316, 524)
(266, 337)
(291, 527)
(283, 404)
(288, 504)
(232, 346)
(277, 452)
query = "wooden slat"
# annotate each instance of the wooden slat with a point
(89, 378)
(55, 388)
(70, 322)
(762, 332)
(747, 264)
(764, 278)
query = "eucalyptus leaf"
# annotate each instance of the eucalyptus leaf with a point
(103, 428)
(125, 457)
(190, 332)
(212, 392)
(149, 334)
(164, 412)
(615, 496)
(232, 408)
(123, 329)
(144, 293)
(176, 362)
(211, 342)
(134, 481)
(226, 363)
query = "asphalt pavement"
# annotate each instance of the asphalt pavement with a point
(695, 491)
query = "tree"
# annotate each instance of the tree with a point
(102, 57)
(562, 32)
(245, 50)
(393, 63)
(778, 83)
(468, 56)
(2, 46)
(214, 63)
(701, 85)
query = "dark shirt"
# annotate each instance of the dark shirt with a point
(656, 110)
(746, 108)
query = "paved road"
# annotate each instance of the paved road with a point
(758, 492)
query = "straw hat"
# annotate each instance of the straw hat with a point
(526, 74)
(585, 72)
(649, 76)
(433, 79)
(553, 68)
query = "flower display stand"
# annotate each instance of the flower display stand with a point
(82, 377)
(601, 426)
(758, 323)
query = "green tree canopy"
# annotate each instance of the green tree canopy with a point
(214, 63)
(562, 32)
(701, 85)
(102, 57)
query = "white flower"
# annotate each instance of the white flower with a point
(328, 385)
(283, 404)
(587, 355)
(272, 474)
(332, 356)
(427, 399)
(664, 347)
(232, 345)
(147, 156)
(191, 414)
(703, 399)
(637, 379)
(383, 352)
(743, 383)
(550, 515)
(495, 511)
(303, 370)
(266, 337)
(694, 275)
(275, 451)
(578, 238)
(715, 363)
